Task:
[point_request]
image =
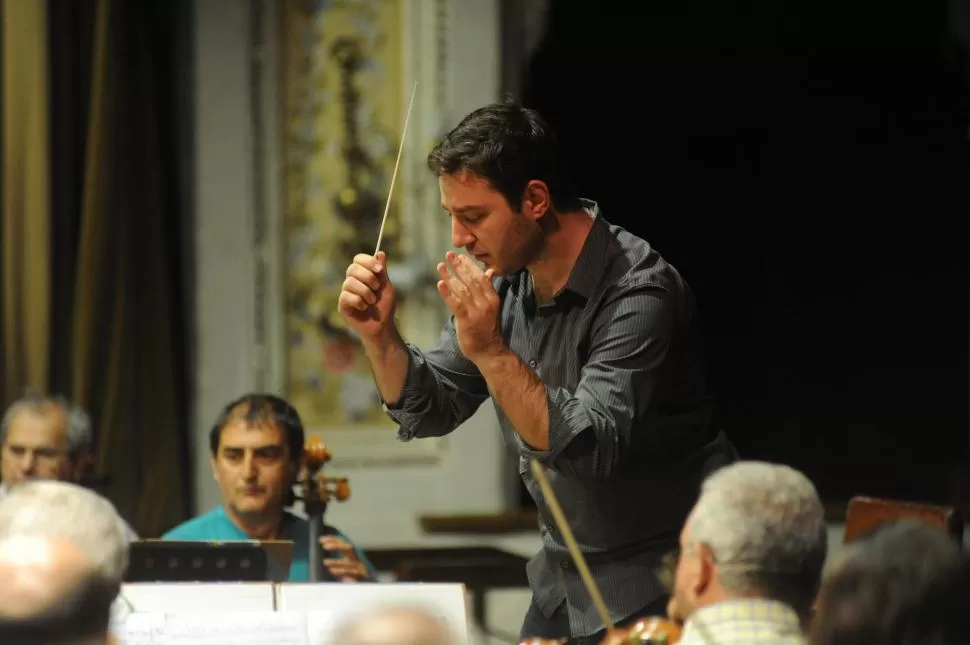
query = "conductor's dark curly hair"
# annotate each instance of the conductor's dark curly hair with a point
(507, 145)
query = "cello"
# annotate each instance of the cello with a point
(318, 491)
(653, 630)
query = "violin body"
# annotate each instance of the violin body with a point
(646, 631)
(652, 631)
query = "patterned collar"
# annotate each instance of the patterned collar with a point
(590, 267)
(750, 621)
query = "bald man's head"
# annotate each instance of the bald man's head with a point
(394, 626)
(51, 593)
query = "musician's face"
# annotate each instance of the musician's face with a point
(252, 468)
(483, 223)
(36, 447)
(693, 578)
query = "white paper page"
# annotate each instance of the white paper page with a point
(206, 597)
(321, 625)
(236, 628)
(142, 629)
(329, 605)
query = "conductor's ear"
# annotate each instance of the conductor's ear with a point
(536, 200)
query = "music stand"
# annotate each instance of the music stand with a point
(204, 561)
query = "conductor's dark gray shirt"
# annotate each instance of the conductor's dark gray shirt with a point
(630, 422)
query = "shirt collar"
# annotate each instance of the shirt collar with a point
(590, 265)
(777, 616)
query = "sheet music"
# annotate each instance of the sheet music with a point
(236, 628)
(143, 629)
(321, 625)
(194, 597)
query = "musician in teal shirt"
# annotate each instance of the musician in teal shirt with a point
(256, 449)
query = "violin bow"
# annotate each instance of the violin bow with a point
(390, 192)
(567, 533)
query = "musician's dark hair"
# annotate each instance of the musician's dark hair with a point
(507, 145)
(904, 583)
(81, 611)
(255, 409)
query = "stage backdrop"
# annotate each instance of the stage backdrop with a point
(348, 72)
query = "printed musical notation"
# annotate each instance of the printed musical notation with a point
(217, 628)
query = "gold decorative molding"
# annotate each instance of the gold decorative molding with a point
(345, 75)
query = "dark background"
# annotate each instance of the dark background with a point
(804, 164)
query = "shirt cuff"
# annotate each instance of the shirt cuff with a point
(560, 432)
(406, 411)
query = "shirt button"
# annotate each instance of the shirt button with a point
(533, 364)
(564, 564)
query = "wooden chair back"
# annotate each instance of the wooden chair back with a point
(866, 513)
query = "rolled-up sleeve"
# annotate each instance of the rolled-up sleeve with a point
(442, 389)
(590, 429)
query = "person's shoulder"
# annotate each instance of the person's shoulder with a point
(299, 523)
(639, 264)
(197, 528)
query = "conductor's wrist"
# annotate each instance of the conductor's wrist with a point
(384, 342)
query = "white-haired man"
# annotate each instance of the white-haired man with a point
(751, 557)
(45, 437)
(51, 594)
(65, 511)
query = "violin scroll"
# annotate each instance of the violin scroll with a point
(315, 455)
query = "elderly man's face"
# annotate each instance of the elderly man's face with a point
(694, 578)
(36, 447)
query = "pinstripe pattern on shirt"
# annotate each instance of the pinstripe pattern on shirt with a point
(750, 621)
(630, 428)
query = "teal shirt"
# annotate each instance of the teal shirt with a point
(216, 526)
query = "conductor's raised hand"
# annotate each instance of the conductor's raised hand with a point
(367, 297)
(471, 297)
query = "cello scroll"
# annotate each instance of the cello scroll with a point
(318, 488)
(318, 491)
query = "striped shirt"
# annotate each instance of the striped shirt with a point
(630, 428)
(743, 622)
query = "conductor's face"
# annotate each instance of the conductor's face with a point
(252, 468)
(486, 226)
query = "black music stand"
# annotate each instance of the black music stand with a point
(188, 561)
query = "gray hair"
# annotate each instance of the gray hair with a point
(78, 422)
(393, 625)
(765, 526)
(49, 597)
(71, 512)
